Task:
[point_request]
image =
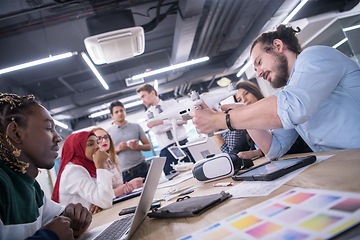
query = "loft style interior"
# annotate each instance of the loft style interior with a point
(174, 32)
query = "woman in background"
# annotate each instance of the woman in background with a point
(82, 175)
(249, 93)
(112, 164)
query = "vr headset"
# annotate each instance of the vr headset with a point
(219, 166)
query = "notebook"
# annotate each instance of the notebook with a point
(134, 220)
(127, 196)
(202, 150)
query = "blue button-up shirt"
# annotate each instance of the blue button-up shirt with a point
(321, 102)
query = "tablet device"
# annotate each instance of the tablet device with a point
(274, 169)
(176, 152)
(126, 196)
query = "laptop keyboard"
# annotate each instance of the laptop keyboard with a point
(117, 229)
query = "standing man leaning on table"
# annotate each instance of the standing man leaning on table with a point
(320, 100)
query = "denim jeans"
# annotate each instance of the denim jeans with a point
(170, 158)
(137, 171)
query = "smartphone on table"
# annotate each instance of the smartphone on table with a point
(133, 209)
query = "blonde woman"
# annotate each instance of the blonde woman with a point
(106, 144)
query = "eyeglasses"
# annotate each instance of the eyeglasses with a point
(99, 138)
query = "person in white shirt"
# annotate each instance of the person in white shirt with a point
(164, 132)
(82, 177)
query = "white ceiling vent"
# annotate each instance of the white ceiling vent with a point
(131, 82)
(116, 45)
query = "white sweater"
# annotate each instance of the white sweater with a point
(77, 186)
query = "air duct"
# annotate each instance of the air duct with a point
(113, 37)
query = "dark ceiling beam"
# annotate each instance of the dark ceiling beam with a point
(203, 33)
(66, 84)
(187, 21)
(238, 9)
(267, 12)
(210, 30)
(221, 24)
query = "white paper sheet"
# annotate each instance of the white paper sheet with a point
(180, 178)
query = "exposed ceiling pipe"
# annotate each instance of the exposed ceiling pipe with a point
(188, 87)
(181, 89)
(210, 29)
(205, 28)
(187, 21)
(211, 82)
(220, 24)
(67, 85)
(176, 91)
(232, 19)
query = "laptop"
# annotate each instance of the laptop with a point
(202, 150)
(133, 221)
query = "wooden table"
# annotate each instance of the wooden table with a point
(340, 172)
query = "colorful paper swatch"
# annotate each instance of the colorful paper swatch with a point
(299, 198)
(273, 209)
(263, 229)
(289, 234)
(320, 222)
(348, 205)
(217, 235)
(293, 215)
(246, 222)
(322, 201)
(344, 226)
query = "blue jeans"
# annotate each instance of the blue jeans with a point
(170, 158)
(137, 171)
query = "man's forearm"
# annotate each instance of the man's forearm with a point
(262, 138)
(145, 147)
(260, 115)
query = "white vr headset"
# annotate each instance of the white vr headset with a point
(219, 166)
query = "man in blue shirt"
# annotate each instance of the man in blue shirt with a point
(320, 100)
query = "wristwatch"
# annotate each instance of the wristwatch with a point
(227, 118)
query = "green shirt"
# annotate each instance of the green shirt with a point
(23, 206)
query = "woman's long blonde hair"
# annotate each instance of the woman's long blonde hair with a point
(111, 150)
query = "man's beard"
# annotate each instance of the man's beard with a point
(281, 77)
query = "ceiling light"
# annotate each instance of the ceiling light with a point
(176, 66)
(156, 85)
(295, 11)
(60, 124)
(128, 105)
(98, 114)
(130, 98)
(38, 62)
(351, 28)
(243, 69)
(95, 71)
(223, 82)
(340, 43)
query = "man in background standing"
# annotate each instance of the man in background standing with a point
(164, 132)
(126, 138)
